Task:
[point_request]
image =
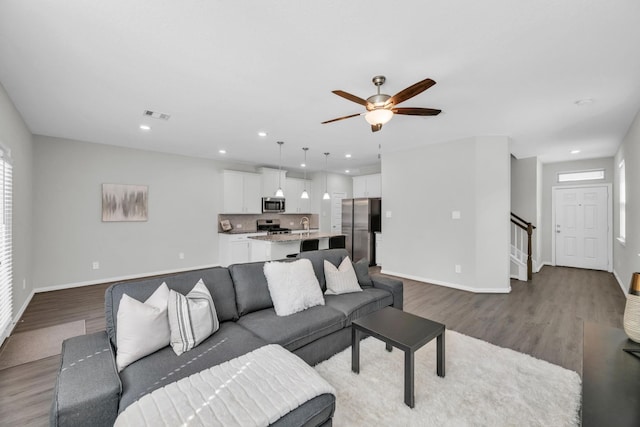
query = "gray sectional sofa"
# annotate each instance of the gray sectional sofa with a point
(90, 391)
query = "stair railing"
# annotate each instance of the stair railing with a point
(519, 229)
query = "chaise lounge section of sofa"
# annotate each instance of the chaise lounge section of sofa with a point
(90, 391)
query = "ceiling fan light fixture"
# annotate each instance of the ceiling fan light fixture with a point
(378, 116)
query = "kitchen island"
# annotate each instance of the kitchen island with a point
(278, 246)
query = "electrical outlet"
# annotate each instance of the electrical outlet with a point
(238, 225)
(458, 268)
(388, 214)
(455, 215)
(181, 255)
(291, 223)
(95, 265)
(24, 283)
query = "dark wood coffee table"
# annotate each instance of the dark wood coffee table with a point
(405, 331)
(610, 378)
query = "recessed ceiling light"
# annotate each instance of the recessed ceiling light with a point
(262, 133)
(575, 151)
(302, 165)
(585, 101)
(347, 171)
(145, 127)
(348, 156)
(222, 151)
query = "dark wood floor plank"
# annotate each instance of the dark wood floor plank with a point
(542, 318)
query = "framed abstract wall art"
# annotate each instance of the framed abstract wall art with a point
(122, 202)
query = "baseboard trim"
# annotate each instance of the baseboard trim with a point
(118, 278)
(625, 291)
(448, 284)
(16, 318)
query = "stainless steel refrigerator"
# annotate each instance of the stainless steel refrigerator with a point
(360, 220)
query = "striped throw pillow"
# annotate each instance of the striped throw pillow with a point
(192, 318)
(341, 280)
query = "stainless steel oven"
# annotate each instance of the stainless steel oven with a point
(273, 204)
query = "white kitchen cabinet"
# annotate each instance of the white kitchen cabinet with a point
(242, 192)
(271, 181)
(367, 186)
(238, 248)
(292, 192)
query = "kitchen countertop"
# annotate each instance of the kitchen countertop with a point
(276, 238)
(245, 231)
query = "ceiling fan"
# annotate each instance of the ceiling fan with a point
(381, 107)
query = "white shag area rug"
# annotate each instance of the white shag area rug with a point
(485, 385)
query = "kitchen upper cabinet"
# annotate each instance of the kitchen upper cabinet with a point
(293, 190)
(242, 192)
(271, 179)
(367, 186)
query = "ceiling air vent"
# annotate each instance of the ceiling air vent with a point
(156, 115)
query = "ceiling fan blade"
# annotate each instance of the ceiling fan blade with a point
(410, 92)
(416, 111)
(376, 127)
(342, 118)
(352, 98)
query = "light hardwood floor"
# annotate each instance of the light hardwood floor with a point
(543, 318)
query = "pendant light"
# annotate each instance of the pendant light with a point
(304, 194)
(279, 192)
(326, 191)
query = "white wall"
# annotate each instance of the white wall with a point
(626, 257)
(526, 194)
(185, 196)
(550, 179)
(15, 136)
(422, 187)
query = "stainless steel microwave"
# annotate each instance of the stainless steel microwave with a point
(273, 204)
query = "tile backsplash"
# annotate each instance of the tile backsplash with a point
(246, 223)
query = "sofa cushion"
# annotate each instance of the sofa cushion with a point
(164, 367)
(144, 326)
(362, 272)
(217, 280)
(334, 256)
(358, 304)
(342, 279)
(293, 286)
(252, 291)
(296, 330)
(192, 318)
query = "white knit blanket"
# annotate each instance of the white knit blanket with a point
(255, 389)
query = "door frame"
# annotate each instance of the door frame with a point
(609, 188)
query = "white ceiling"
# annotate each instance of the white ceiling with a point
(225, 70)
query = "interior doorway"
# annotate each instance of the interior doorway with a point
(581, 226)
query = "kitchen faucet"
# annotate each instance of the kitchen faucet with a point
(304, 222)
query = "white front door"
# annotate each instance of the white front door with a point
(336, 212)
(581, 227)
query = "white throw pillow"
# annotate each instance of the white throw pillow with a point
(341, 280)
(192, 318)
(143, 327)
(293, 286)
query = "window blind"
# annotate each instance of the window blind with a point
(6, 270)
